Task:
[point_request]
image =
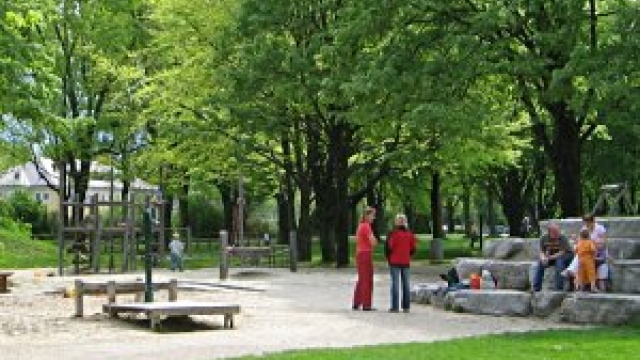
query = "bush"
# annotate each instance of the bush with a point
(206, 220)
(21, 207)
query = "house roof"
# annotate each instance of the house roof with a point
(27, 175)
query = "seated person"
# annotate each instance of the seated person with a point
(602, 267)
(554, 251)
(597, 233)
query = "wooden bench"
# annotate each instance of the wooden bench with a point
(112, 288)
(156, 310)
(4, 275)
(251, 254)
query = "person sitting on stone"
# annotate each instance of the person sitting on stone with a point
(554, 251)
(597, 233)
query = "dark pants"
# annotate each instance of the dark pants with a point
(363, 292)
(400, 274)
(559, 264)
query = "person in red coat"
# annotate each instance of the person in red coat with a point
(365, 242)
(400, 246)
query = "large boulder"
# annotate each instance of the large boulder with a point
(505, 248)
(625, 276)
(604, 309)
(490, 302)
(546, 303)
(422, 293)
(509, 274)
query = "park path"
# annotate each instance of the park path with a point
(280, 311)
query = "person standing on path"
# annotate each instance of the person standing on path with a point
(399, 247)
(177, 248)
(365, 242)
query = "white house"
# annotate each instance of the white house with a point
(27, 178)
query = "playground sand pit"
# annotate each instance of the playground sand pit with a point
(280, 311)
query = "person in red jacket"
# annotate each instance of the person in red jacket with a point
(365, 242)
(400, 246)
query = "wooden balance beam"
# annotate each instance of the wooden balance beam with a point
(155, 311)
(112, 288)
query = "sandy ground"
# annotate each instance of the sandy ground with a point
(279, 311)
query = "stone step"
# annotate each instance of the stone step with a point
(617, 227)
(579, 308)
(528, 249)
(518, 275)
(602, 309)
(512, 275)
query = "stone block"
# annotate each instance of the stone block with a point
(545, 303)
(509, 274)
(422, 293)
(617, 227)
(601, 309)
(626, 276)
(490, 302)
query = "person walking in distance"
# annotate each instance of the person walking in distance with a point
(399, 247)
(177, 248)
(365, 243)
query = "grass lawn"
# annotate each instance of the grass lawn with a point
(594, 344)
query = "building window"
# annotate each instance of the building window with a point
(45, 196)
(38, 197)
(16, 176)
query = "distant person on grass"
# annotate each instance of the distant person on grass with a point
(365, 242)
(177, 249)
(554, 251)
(399, 247)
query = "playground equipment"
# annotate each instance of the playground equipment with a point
(251, 253)
(614, 199)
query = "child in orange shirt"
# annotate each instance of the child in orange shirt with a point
(586, 253)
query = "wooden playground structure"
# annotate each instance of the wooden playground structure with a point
(92, 229)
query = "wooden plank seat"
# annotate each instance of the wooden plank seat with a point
(4, 275)
(113, 288)
(252, 254)
(156, 310)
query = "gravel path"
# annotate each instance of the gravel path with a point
(280, 311)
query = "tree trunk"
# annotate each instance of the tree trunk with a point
(183, 204)
(466, 209)
(566, 159)
(342, 198)
(227, 196)
(168, 212)
(436, 206)
(451, 224)
(491, 212)
(513, 197)
(304, 225)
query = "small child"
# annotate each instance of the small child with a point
(177, 247)
(602, 268)
(586, 253)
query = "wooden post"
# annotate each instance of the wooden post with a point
(224, 264)
(161, 241)
(173, 290)
(62, 215)
(111, 291)
(146, 228)
(131, 222)
(96, 232)
(125, 238)
(293, 251)
(79, 298)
